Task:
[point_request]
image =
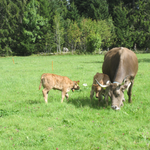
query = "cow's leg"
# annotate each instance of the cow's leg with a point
(129, 92)
(67, 96)
(45, 94)
(92, 92)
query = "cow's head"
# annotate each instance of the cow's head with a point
(76, 85)
(116, 91)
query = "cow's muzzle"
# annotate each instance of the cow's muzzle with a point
(115, 107)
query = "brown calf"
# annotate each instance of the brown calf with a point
(102, 79)
(57, 82)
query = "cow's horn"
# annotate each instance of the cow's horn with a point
(103, 86)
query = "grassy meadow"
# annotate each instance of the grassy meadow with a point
(27, 123)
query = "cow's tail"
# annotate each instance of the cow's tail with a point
(41, 83)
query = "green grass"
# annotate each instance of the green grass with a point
(27, 123)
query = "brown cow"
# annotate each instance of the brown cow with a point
(121, 65)
(102, 79)
(57, 82)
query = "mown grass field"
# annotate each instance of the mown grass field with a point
(27, 123)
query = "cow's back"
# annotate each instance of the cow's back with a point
(120, 62)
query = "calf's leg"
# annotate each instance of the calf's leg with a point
(106, 99)
(63, 95)
(67, 96)
(92, 92)
(45, 94)
(106, 96)
(100, 97)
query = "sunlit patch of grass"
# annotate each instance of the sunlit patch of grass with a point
(27, 123)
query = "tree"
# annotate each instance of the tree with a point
(94, 33)
(58, 32)
(139, 18)
(122, 29)
(94, 9)
(73, 35)
(9, 13)
(98, 10)
(31, 29)
(73, 12)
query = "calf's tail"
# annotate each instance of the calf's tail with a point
(40, 83)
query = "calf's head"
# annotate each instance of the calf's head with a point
(116, 91)
(97, 89)
(76, 85)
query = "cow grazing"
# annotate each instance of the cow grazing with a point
(102, 79)
(57, 82)
(121, 65)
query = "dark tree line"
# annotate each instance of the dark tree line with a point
(32, 26)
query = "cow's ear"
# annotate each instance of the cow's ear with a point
(78, 82)
(128, 78)
(131, 78)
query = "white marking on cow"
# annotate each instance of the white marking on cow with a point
(117, 108)
(128, 86)
(108, 82)
(116, 82)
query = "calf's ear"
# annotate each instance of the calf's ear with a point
(78, 82)
(95, 85)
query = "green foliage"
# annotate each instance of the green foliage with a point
(73, 34)
(139, 20)
(58, 31)
(131, 19)
(96, 10)
(31, 28)
(93, 42)
(123, 32)
(73, 13)
(28, 27)
(9, 13)
(79, 123)
(95, 33)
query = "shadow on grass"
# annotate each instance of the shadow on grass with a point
(144, 60)
(93, 62)
(4, 112)
(82, 102)
(34, 102)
